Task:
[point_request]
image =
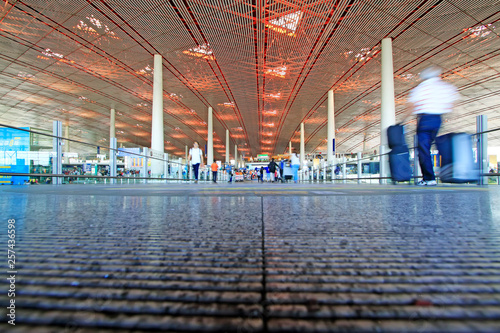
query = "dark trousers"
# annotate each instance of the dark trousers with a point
(427, 129)
(196, 168)
(214, 176)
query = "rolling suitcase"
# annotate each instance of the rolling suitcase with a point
(457, 162)
(399, 157)
(396, 136)
(399, 162)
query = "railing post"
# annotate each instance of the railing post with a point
(344, 169)
(179, 170)
(360, 167)
(56, 146)
(145, 152)
(112, 160)
(482, 147)
(165, 167)
(382, 165)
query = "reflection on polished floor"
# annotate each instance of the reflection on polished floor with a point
(254, 258)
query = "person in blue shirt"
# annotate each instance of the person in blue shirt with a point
(282, 168)
(229, 172)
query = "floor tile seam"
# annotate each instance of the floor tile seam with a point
(276, 241)
(111, 240)
(370, 311)
(274, 275)
(251, 267)
(273, 272)
(306, 271)
(332, 238)
(148, 250)
(117, 262)
(364, 266)
(360, 275)
(365, 311)
(284, 261)
(224, 271)
(63, 317)
(256, 287)
(245, 296)
(193, 296)
(250, 261)
(388, 317)
(134, 281)
(177, 310)
(194, 255)
(299, 246)
(387, 290)
(395, 257)
(146, 297)
(54, 277)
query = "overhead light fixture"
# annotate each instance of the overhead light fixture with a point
(227, 104)
(479, 31)
(146, 70)
(52, 54)
(270, 113)
(279, 71)
(201, 51)
(92, 25)
(286, 24)
(277, 95)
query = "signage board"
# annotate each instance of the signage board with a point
(14, 145)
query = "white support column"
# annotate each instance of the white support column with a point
(112, 121)
(290, 148)
(112, 159)
(302, 146)
(235, 156)
(330, 155)
(157, 134)
(210, 137)
(187, 153)
(388, 106)
(227, 147)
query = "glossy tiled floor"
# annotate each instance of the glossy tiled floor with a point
(254, 258)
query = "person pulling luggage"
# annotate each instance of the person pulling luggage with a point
(429, 100)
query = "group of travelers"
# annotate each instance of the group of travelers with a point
(276, 171)
(429, 100)
(195, 157)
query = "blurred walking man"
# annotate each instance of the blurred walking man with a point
(429, 100)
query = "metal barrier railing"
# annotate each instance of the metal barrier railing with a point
(187, 175)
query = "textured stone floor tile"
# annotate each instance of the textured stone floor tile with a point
(306, 258)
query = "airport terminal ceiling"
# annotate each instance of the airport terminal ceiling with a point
(264, 67)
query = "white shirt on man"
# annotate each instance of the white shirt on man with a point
(195, 155)
(433, 96)
(294, 160)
